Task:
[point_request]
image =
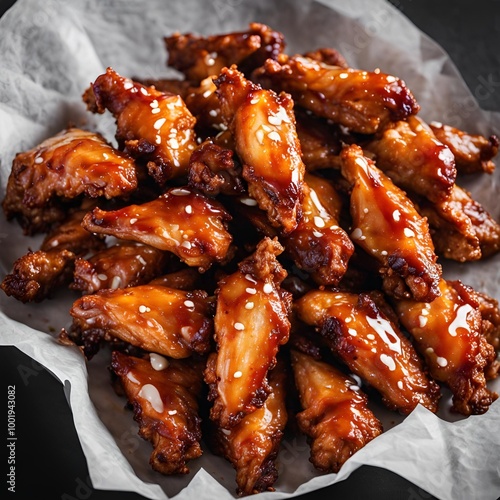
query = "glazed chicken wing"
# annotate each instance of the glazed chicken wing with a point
(473, 152)
(180, 221)
(164, 396)
(198, 57)
(371, 345)
(64, 167)
(213, 171)
(252, 445)
(448, 333)
(408, 152)
(335, 417)
(118, 266)
(387, 225)
(266, 142)
(164, 320)
(318, 245)
(461, 228)
(36, 275)
(151, 125)
(362, 101)
(251, 323)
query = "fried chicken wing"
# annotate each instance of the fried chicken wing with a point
(36, 275)
(362, 101)
(473, 152)
(328, 55)
(251, 323)
(164, 320)
(387, 225)
(263, 126)
(180, 221)
(447, 332)
(151, 125)
(319, 246)
(335, 417)
(164, 396)
(213, 171)
(408, 152)
(71, 235)
(371, 345)
(66, 166)
(252, 445)
(118, 266)
(198, 57)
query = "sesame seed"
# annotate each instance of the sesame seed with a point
(254, 100)
(319, 221)
(317, 234)
(38, 160)
(144, 309)
(248, 201)
(370, 336)
(132, 221)
(422, 321)
(396, 215)
(388, 361)
(159, 123)
(237, 374)
(226, 431)
(116, 282)
(354, 387)
(343, 76)
(352, 332)
(172, 412)
(158, 139)
(141, 260)
(260, 135)
(155, 111)
(357, 234)
(105, 156)
(186, 244)
(173, 143)
(429, 350)
(180, 192)
(383, 252)
(239, 326)
(442, 362)
(213, 112)
(348, 320)
(207, 93)
(249, 305)
(189, 303)
(128, 85)
(251, 291)
(144, 91)
(365, 210)
(274, 120)
(154, 103)
(249, 277)
(400, 384)
(188, 209)
(102, 277)
(408, 232)
(274, 136)
(268, 288)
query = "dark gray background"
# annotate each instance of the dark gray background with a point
(51, 463)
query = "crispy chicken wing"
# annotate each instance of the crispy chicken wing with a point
(362, 101)
(172, 322)
(252, 445)
(408, 152)
(251, 323)
(164, 396)
(198, 57)
(64, 167)
(180, 221)
(473, 152)
(263, 126)
(371, 345)
(448, 333)
(36, 275)
(328, 55)
(213, 171)
(335, 415)
(387, 225)
(118, 266)
(151, 125)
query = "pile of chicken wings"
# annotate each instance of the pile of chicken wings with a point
(261, 251)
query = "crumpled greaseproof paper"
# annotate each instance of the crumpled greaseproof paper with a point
(52, 50)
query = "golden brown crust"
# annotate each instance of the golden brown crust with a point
(335, 414)
(371, 345)
(165, 405)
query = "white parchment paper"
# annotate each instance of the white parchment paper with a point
(50, 52)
